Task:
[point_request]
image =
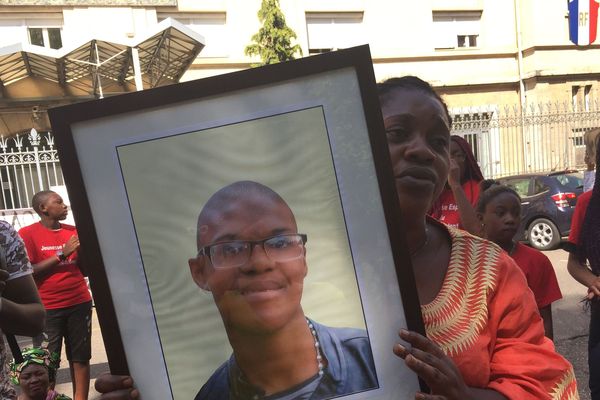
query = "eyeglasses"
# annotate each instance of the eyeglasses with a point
(279, 248)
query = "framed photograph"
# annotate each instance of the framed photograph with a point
(242, 233)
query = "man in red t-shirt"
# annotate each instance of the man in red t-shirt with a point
(52, 248)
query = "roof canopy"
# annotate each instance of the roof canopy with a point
(34, 76)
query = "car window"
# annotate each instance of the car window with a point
(568, 181)
(520, 185)
(539, 186)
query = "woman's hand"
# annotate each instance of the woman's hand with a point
(434, 367)
(594, 289)
(116, 387)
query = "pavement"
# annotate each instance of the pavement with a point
(571, 321)
(570, 333)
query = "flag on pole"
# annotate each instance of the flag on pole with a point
(583, 21)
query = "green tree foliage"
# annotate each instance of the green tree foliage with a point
(273, 41)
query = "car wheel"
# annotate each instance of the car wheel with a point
(543, 234)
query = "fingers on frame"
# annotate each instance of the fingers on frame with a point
(421, 342)
(430, 374)
(108, 383)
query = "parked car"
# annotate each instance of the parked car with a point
(547, 202)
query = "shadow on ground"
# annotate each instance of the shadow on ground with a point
(571, 326)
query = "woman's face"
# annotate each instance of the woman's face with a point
(458, 156)
(418, 135)
(501, 218)
(34, 381)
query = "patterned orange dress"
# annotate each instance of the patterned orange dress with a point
(485, 318)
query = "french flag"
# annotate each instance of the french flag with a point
(583, 21)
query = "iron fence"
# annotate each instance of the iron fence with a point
(28, 163)
(545, 137)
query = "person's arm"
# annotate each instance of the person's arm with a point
(468, 215)
(22, 312)
(438, 371)
(542, 281)
(546, 313)
(44, 267)
(584, 275)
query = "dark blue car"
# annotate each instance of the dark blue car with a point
(547, 201)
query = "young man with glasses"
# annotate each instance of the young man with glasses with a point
(252, 259)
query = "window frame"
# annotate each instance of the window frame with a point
(343, 18)
(458, 24)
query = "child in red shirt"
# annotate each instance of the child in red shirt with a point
(53, 250)
(499, 210)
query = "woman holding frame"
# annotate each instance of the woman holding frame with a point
(485, 338)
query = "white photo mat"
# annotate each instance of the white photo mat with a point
(140, 175)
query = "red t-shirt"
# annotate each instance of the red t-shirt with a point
(540, 275)
(64, 286)
(579, 216)
(446, 210)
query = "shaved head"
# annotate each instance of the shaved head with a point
(227, 198)
(40, 198)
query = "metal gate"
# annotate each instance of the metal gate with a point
(28, 163)
(546, 137)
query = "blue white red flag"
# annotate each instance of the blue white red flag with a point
(583, 21)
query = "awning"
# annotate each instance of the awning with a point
(34, 76)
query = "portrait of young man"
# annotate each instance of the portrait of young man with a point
(252, 260)
(203, 320)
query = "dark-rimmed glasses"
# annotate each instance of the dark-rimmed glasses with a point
(235, 253)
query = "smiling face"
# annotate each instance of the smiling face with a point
(261, 295)
(34, 381)
(418, 136)
(501, 218)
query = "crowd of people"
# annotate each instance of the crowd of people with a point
(488, 328)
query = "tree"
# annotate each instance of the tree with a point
(273, 40)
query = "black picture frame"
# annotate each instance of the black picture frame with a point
(94, 140)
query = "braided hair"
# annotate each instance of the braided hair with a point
(588, 247)
(489, 190)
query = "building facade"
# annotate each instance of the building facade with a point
(477, 52)
(517, 87)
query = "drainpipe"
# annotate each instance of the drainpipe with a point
(523, 96)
